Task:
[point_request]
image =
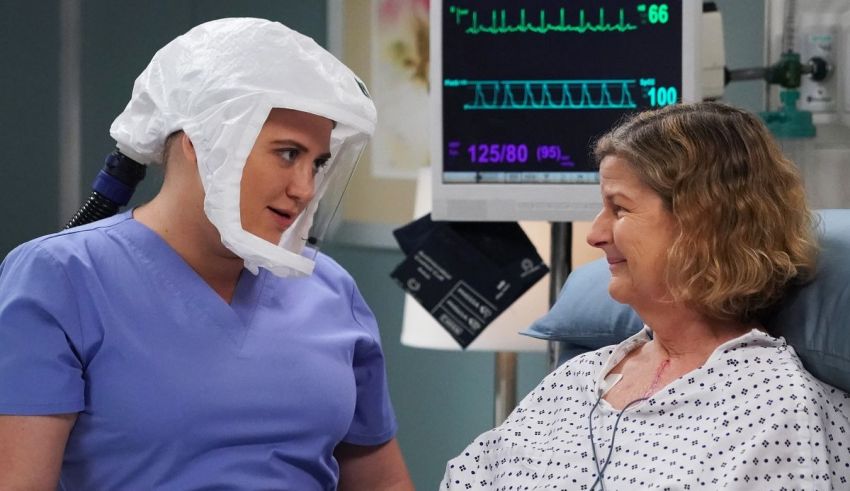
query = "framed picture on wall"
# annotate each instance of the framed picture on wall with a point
(399, 73)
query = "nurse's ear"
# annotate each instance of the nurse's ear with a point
(188, 148)
(179, 158)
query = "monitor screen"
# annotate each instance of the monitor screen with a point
(521, 88)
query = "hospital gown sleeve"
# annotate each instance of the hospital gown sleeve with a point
(40, 370)
(374, 420)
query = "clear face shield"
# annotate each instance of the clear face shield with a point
(331, 185)
(219, 83)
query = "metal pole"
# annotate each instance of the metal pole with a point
(505, 385)
(506, 362)
(561, 260)
(70, 110)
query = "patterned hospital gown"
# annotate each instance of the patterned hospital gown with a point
(751, 418)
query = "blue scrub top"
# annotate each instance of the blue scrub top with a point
(174, 388)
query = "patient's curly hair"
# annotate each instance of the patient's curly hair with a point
(745, 230)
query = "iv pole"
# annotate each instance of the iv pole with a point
(561, 260)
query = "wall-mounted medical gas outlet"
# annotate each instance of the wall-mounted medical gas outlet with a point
(820, 29)
(819, 38)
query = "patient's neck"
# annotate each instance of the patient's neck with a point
(684, 335)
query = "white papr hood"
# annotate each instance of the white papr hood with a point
(218, 83)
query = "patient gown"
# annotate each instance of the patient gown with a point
(751, 418)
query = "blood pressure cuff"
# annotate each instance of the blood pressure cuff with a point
(466, 273)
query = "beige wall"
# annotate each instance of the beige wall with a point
(370, 199)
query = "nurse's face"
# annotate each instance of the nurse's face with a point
(635, 230)
(278, 181)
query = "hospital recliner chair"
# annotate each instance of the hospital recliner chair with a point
(813, 319)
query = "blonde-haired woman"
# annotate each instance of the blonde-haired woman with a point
(704, 225)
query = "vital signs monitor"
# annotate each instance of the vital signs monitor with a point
(520, 89)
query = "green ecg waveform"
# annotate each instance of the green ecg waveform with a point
(547, 94)
(501, 24)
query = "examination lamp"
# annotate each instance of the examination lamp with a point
(421, 330)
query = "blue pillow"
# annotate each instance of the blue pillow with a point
(585, 315)
(814, 319)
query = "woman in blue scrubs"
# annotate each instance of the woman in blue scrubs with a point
(200, 341)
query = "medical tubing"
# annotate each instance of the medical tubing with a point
(600, 473)
(788, 28)
(112, 188)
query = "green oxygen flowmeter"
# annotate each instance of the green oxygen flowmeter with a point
(787, 121)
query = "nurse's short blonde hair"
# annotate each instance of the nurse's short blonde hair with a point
(745, 229)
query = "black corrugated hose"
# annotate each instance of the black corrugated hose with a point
(112, 188)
